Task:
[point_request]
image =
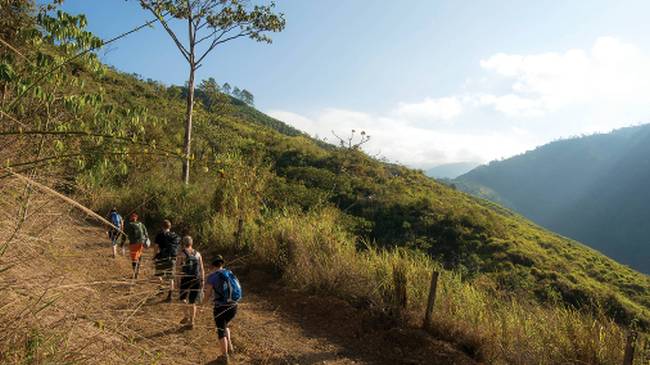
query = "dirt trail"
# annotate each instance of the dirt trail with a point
(274, 325)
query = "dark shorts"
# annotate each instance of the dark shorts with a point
(190, 289)
(165, 267)
(223, 314)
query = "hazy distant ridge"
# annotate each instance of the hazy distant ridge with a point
(595, 189)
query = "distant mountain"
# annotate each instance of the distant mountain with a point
(450, 170)
(595, 189)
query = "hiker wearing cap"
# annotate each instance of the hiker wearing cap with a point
(114, 232)
(226, 292)
(137, 235)
(192, 278)
(167, 244)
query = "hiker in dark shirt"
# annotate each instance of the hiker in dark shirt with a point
(167, 244)
(137, 235)
(226, 292)
(192, 278)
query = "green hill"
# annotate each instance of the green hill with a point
(593, 189)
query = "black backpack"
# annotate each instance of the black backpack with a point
(191, 267)
(174, 243)
(169, 243)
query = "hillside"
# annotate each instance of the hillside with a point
(592, 189)
(322, 220)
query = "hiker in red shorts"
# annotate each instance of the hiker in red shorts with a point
(137, 235)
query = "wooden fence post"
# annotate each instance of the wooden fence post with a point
(401, 300)
(432, 300)
(628, 358)
(238, 234)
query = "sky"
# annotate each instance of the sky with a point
(432, 82)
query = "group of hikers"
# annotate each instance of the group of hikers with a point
(175, 258)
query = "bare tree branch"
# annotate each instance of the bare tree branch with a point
(169, 31)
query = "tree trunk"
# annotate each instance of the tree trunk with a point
(190, 98)
(188, 127)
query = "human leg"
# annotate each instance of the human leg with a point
(195, 287)
(113, 237)
(184, 289)
(231, 348)
(137, 267)
(193, 314)
(170, 275)
(222, 316)
(135, 251)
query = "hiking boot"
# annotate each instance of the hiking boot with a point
(185, 320)
(169, 298)
(222, 360)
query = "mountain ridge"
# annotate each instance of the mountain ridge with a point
(581, 188)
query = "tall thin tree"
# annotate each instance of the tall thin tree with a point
(210, 23)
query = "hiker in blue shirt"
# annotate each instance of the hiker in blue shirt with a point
(226, 291)
(114, 232)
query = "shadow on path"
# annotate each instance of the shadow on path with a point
(358, 335)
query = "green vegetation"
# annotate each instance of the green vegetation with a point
(593, 189)
(325, 219)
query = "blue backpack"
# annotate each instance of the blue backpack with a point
(230, 290)
(116, 219)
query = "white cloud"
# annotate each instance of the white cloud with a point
(442, 109)
(512, 104)
(611, 72)
(400, 140)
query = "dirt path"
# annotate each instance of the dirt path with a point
(274, 325)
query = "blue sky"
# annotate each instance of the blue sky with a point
(431, 81)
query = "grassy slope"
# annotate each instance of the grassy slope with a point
(395, 206)
(591, 188)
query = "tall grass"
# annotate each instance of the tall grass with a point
(313, 254)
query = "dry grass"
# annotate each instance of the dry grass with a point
(53, 309)
(314, 255)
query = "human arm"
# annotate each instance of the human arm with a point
(180, 262)
(202, 269)
(156, 244)
(207, 287)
